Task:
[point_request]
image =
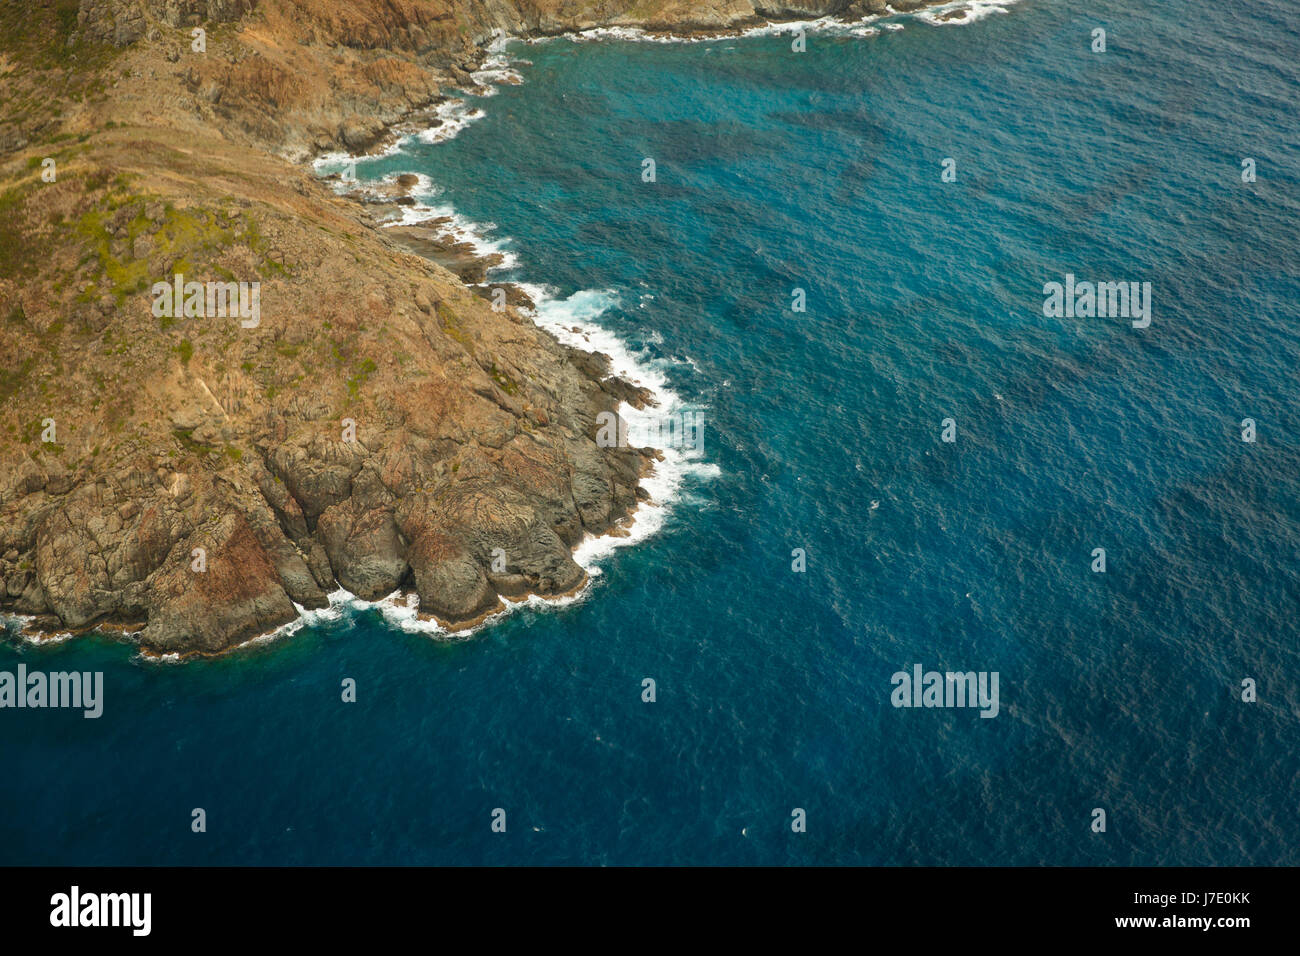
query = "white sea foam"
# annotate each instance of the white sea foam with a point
(496, 69)
(337, 161)
(453, 117)
(314, 617)
(14, 621)
(20, 625)
(785, 28)
(572, 320)
(456, 227)
(971, 11)
(401, 610)
(499, 43)
(43, 637)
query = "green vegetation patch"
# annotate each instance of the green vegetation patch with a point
(450, 323)
(186, 437)
(504, 381)
(362, 371)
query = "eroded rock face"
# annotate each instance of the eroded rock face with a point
(382, 429)
(238, 596)
(178, 13)
(122, 22)
(449, 582)
(365, 549)
(213, 556)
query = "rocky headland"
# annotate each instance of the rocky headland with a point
(190, 479)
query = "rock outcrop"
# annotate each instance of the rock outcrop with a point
(372, 423)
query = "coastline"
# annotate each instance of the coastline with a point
(459, 237)
(459, 241)
(492, 66)
(569, 321)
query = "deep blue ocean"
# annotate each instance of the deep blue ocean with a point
(823, 171)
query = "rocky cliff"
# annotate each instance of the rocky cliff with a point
(375, 424)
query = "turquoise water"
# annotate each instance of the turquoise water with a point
(924, 301)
